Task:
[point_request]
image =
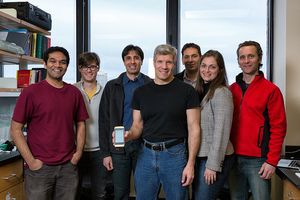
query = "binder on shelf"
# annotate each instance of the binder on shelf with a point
(42, 73)
(23, 78)
(42, 43)
(39, 43)
(33, 76)
(33, 44)
(46, 44)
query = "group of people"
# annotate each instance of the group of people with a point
(191, 128)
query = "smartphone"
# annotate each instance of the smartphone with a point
(119, 136)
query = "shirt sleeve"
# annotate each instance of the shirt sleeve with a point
(135, 104)
(192, 98)
(23, 108)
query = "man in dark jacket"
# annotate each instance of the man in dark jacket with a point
(115, 110)
(191, 55)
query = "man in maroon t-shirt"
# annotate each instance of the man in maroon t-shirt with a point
(55, 115)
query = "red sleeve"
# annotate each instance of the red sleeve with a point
(278, 126)
(82, 113)
(23, 108)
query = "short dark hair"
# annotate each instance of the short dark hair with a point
(191, 45)
(55, 49)
(251, 43)
(132, 47)
(87, 58)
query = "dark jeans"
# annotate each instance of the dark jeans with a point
(91, 168)
(244, 176)
(52, 182)
(210, 192)
(124, 164)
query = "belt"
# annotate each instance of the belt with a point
(160, 146)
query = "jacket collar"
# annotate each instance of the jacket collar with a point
(239, 77)
(99, 87)
(119, 80)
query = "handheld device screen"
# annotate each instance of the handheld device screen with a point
(119, 136)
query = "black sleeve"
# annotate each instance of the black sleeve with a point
(104, 123)
(135, 103)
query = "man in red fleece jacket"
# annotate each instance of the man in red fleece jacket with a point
(259, 126)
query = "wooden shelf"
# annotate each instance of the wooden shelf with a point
(30, 60)
(11, 58)
(9, 22)
(10, 92)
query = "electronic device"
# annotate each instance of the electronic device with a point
(286, 163)
(291, 174)
(119, 136)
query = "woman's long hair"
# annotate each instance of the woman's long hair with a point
(219, 81)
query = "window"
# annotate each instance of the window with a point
(217, 24)
(115, 24)
(222, 25)
(62, 33)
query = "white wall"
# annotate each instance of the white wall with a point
(286, 62)
(293, 71)
(286, 70)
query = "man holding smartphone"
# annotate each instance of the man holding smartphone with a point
(115, 110)
(166, 113)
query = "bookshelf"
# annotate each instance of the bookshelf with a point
(7, 58)
(10, 58)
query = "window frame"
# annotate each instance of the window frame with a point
(172, 31)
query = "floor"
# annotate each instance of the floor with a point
(224, 195)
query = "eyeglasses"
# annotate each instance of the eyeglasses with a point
(91, 67)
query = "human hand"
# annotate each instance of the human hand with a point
(107, 162)
(127, 136)
(266, 171)
(210, 176)
(187, 175)
(76, 157)
(36, 164)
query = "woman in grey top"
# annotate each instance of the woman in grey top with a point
(214, 157)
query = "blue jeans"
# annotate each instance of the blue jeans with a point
(210, 192)
(52, 182)
(124, 164)
(90, 165)
(161, 167)
(244, 176)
